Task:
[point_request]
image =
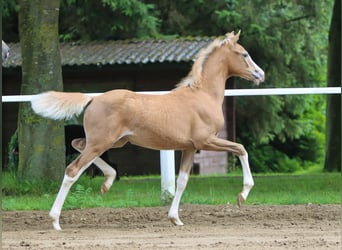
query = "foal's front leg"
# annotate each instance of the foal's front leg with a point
(218, 144)
(183, 177)
(248, 181)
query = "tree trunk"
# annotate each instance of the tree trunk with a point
(41, 141)
(333, 120)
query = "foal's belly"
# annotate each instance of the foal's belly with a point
(160, 142)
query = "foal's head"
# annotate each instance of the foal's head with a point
(231, 56)
(240, 63)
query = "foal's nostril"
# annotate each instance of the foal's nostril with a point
(258, 73)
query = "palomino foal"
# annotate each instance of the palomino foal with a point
(187, 119)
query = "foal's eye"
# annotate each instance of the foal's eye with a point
(245, 55)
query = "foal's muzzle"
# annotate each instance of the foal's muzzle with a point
(258, 76)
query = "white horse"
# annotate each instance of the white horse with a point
(5, 51)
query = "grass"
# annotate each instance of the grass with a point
(316, 188)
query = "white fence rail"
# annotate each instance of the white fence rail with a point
(229, 92)
(167, 163)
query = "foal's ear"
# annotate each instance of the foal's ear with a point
(236, 37)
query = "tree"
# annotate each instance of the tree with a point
(93, 20)
(40, 140)
(106, 19)
(333, 121)
(10, 20)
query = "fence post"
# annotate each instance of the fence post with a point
(167, 171)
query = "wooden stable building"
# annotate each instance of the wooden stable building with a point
(138, 65)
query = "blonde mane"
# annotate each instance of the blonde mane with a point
(193, 79)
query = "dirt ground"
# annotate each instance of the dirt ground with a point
(206, 227)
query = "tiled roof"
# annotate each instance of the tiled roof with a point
(122, 52)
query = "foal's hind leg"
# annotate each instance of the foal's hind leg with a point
(183, 177)
(72, 173)
(108, 172)
(218, 144)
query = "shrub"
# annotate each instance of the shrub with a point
(266, 158)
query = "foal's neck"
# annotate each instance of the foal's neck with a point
(214, 76)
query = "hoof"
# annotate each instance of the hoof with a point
(240, 200)
(176, 221)
(55, 221)
(104, 189)
(56, 226)
(78, 144)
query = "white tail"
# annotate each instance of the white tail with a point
(59, 105)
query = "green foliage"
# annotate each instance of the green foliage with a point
(266, 158)
(299, 142)
(13, 153)
(93, 20)
(79, 198)
(188, 18)
(10, 20)
(106, 19)
(12, 186)
(9, 7)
